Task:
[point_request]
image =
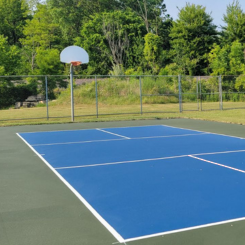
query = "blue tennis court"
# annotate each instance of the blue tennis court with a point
(141, 182)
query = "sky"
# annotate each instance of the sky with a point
(217, 8)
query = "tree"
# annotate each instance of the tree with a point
(193, 35)
(228, 60)
(40, 33)
(219, 60)
(9, 58)
(150, 11)
(13, 16)
(121, 29)
(112, 38)
(237, 62)
(235, 23)
(68, 14)
(94, 42)
(153, 52)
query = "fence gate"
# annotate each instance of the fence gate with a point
(201, 93)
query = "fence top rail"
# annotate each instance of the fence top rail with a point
(90, 76)
(14, 76)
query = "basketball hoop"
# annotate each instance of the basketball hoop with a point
(74, 56)
(76, 63)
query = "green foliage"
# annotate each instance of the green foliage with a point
(150, 11)
(13, 16)
(11, 93)
(219, 60)
(237, 62)
(153, 52)
(94, 42)
(40, 33)
(235, 23)
(9, 58)
(125, 90)
(171, 69)
(48, 62)
(117, 70)
(192, 35)
(228, 60)
(112, 38)
(121, 36)
(240, 83)
(121, 30)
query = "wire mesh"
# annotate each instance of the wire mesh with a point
(233, 92)
(118, 95)
(209, 93)
(22, 97)
(49, 97)
(190, 93)
(160, 94)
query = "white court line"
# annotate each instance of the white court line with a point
(204, 132)
(80, 197)
(81, 129)
(139, 138)
(78, 142)
(112, 133)
(115, 163)
(215, 163)
(221, 152)
(146, 160)
(185, 229)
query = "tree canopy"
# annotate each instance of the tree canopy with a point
(121, 36)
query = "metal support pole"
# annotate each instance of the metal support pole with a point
(200, 85)
(72, 94)
(141, 106)
(46, 89)
(96, 94)
(180, 94)
(220, 94)
(197, 95)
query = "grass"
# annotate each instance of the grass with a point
(87, 113)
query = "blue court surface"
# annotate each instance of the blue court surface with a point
(142, 182)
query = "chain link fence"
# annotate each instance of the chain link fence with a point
(49, 97)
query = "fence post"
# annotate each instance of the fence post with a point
(46, 89)
(200, 84)
(197, 94)
(141, 107)
(220, 93)
(180, 94)
(96, 95)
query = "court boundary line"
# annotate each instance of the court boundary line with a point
(108, 132)
(203, 131)
(79, 196)
(138, 138)
(184, 229)
(146, 160)
(218, 164)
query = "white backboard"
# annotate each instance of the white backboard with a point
(74, 54)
